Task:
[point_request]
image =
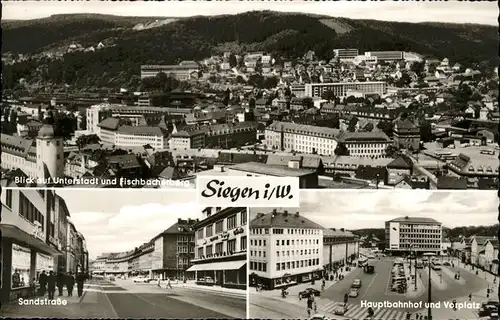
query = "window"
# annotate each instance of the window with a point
(243, 218)
(219, 226)
(243, 243)
(218, 247)
(209, 230)
(264, 267)
(231, 245)
(277, 242)
(209, 250)
(199, 234)
(277, 267)
(231, 222)
(8, 200)
(200, 252)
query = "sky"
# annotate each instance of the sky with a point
(120, 220)
(483, 12)
(370, 209)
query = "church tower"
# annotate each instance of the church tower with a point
(49, 152)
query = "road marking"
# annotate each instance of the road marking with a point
(368, 287)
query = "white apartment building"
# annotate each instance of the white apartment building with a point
(346, 55)
(113, 132)
(302, 138)
(285, 249)
(183, 71)
(343, 89)
(221, 247)
(407, 234)
(386, 55)
(365, 144)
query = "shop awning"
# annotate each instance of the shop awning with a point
(226, 265)
(11, 231)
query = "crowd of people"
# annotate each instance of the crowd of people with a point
(52, 281)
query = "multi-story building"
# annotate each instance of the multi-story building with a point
(34, 227)
(413, 234)
(112, 131)
(285, 249)
(96, 114)
(174, 250)
(98, 266)
(346, 55)
(226, 135)
(286, 136)
(386, 55)
(183, 71)
(406, 134)
(345, 89)
(221, 247)
(41, 158)
(340, 247)
(298, 90)
(365, 144)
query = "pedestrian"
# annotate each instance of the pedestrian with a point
(159, 283)
(168, 283)
(310, 304)
(70, 283)
(16, 279)
(33, 287)
(51, 285)
(470, 296)
(60, 283)
(42, 279)
(80, 279)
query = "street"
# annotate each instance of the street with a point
(376, 288)
(125, 299)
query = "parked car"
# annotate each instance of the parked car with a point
(138, 279)
(310, 291)
(356, 283)
(446, 263)
(340, 310)
(143, 280)
(353, 293)
(209, 280)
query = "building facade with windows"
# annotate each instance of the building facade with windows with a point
(365, 144)
(340, 247)
(409, 234)
(346, 55)
(221, 248)
(285, 249)
(35, 224)
(344, 89)
(285, 136)
(386, 55)
(174, 250)
(183, 71)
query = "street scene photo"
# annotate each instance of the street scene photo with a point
(341, 94)
(367, 255)
(121, 254)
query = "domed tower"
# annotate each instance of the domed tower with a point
(49, 153)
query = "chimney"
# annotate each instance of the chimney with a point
(297, 214)
(342, 229)
(179, 220)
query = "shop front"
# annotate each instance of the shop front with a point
(24, 257)
(227, 274)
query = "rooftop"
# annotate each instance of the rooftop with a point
(275, 219)
(304, 129)
(270, 170)
(415, 220)
(363, 136)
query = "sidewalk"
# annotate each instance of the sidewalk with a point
(73, 306)
(411, 293)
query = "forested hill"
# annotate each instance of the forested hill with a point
(288, 35)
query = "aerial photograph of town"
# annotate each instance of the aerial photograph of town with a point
(397, 255)
(125, 101)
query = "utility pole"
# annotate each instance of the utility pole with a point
(429, 297)
(415, 251)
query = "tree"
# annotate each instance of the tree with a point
(84, 140)
(232, 60)
(341, 150)
(351, 127)
(328, 95)
(227, 95)
(251, 103)
(418, 67)
(391, 151)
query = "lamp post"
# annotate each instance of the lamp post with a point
(429, 297)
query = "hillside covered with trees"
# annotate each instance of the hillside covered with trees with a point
(287, 36)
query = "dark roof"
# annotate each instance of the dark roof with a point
(124, 161)
(283, 220)
(171, 173)
(400, 163)
(370, 173)
(47, 131)
(271, 170)
(110, 123)
(143, 131)
(17, 146)
(282, 160)
(448, 182)
(415, 220)
(416, 182)
(316, 131)
(363, 136)
(404, 124)
(236, 157)
(481, 240)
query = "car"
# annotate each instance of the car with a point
(112, 278)
(306, 293)
(353, 293)
(446, 263)
(356, 283)
(209, 280)
(340, 310)
(138, 279)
